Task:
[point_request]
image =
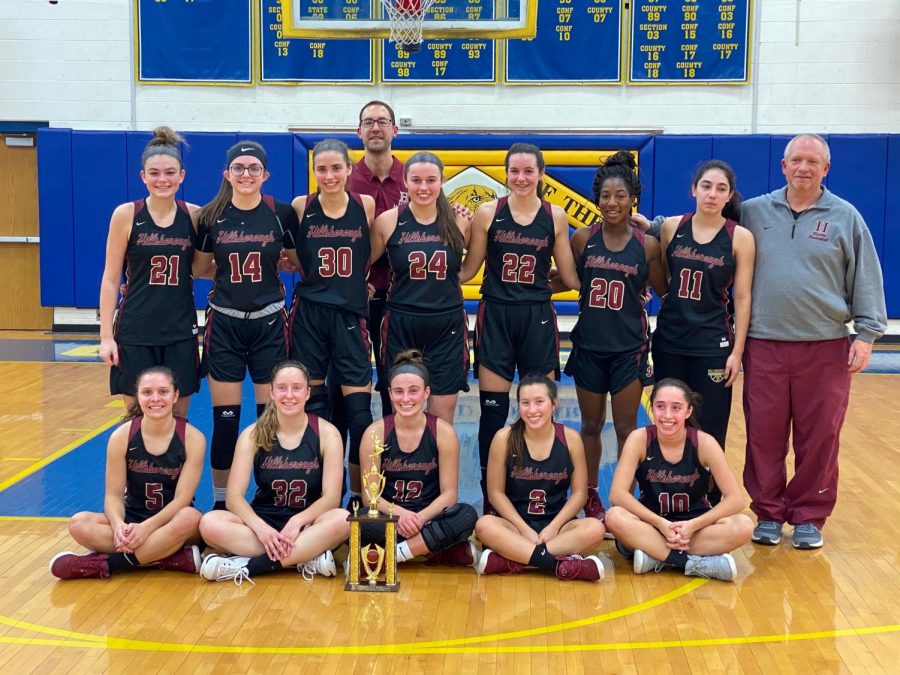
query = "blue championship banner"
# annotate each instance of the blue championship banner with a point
(193, 41)
(289, 60)
(577, 41)
(445, 61)
(689, 41)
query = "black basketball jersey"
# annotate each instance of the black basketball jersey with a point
(425, 269)
(150, 480)
(411, 478)
(612, 317)
(246, 246)
(157, 306)
(290, 479)
(517, 265)
(334, 256)
(678, 489)
(696, 316)
(539, 489)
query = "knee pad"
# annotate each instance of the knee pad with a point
(453, 525)
(226, 425)
(318, 401)
(494, 411)
(359, 417)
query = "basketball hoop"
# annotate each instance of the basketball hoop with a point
(406, 18)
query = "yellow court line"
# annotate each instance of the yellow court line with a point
(49, 519)
(406, 650)
(398, 648)
(37, 466)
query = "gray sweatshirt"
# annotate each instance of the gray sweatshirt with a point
(815, 274)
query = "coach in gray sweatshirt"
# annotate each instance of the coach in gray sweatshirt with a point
(816, 270)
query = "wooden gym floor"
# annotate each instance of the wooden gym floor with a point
(831, 610)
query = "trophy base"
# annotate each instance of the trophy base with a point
(372, 588)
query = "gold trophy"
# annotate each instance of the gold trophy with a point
(379, 564)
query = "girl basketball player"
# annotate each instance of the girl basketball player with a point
(421, 467)
(244, 231)
(699, 336)
(296, 461)
(328, 318)
(515, 237)
(611, 340)
(153, 465)
(153, 239)
(425, 242)
(672, 523)
(532, 467)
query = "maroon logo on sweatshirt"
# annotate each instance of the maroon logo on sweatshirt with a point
(821, 233)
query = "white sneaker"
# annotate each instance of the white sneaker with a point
(322, 564)
(644, 562)
(221, 568)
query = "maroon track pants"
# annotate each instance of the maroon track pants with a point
(802, 387)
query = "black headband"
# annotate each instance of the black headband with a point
(411, 369)
(248, 149)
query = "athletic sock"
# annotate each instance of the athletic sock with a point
(542, 558)
(259, 409)
(261, 564)
(403, 552)
(677, 559)
(119, 562)
(359, 416)
(494, 411)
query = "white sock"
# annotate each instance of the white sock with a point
(403, 552)
(219, 494)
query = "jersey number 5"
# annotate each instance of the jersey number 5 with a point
(153, 496)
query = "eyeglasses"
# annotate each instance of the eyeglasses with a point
(383, 122)
(255, 170)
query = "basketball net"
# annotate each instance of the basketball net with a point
(406, 18)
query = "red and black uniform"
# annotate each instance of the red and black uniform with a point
(425, 304)
(695, 327)
(611, 339)
(412, 479)
(328, 317)
(150, 480)
(245, 327)
(156, 322)
(516, 326)
(674, 491)
(538, 489)
(288, 480)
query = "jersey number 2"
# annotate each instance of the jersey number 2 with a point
(537, 502)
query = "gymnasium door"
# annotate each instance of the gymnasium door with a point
(20, 296)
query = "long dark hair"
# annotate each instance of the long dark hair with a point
(446, 216)
(212, 211)
(693, 399)
(515, 442)
(134, 410)
(732, 209)
(527, 149)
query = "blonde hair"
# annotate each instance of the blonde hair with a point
(266, 429)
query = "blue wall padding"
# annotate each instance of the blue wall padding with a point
(749, 157)
(858, 174)
(94, 200)
(75, 207)
(57, 228)
(890, 259)
(677, 159)
(204, 162)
